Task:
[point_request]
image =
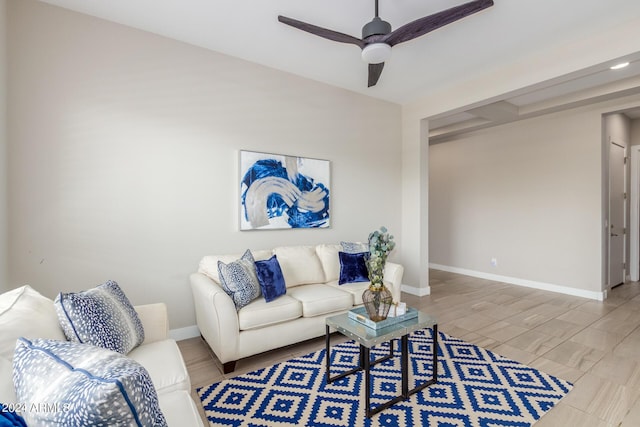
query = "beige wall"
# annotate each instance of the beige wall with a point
(618, 128)
(635, 132)
(124, 152)
(4, 284)
(528, 194)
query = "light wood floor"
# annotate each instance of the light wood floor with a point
(595, 345)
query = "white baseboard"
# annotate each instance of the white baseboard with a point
(184, 333)
(600, 296)
(420, 292)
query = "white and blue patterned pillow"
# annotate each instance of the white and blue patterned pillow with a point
(354, 247)
(71, 384)
(239, 279)
(102, 316)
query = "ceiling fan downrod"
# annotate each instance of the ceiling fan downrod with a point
(376, 27)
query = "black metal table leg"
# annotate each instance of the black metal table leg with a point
(327, 351)
(434, 374)
(404, 365)
(435, 354)
(328, 377)
(364, 352)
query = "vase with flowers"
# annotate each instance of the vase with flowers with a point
(377, 298)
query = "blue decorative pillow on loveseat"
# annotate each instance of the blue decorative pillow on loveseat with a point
(9, 417)
(353, 267)
(101, 316)
(69, 384)
(271, 278)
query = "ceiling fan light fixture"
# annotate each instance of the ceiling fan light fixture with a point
(376, 53)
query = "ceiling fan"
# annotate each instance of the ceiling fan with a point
(377, 37)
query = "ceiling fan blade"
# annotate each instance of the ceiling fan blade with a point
(374, 73)
(322, 32)
(429, 23)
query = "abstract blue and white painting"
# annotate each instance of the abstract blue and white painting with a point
(278, 191)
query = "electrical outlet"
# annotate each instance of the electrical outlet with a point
(494, 262)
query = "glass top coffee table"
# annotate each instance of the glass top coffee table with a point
(368, 338)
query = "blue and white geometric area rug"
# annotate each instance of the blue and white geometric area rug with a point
(475, 388)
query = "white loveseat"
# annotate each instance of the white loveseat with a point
(311, 276)
(24, 312)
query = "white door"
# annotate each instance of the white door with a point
(617, 205)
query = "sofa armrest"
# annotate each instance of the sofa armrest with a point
(216, 317)
(155, 321)
(393, 277)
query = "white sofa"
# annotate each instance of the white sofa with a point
(24, 312)
(311, 276)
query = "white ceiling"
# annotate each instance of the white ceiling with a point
(495, 37)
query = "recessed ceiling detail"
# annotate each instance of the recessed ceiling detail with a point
(597, 84)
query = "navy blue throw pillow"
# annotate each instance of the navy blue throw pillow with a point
(353, 267)
(9, 418)
(270, 278)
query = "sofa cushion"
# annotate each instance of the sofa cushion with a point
(300, 265)
(24, 312)
(163, 361)
(320, 299)
(239, 280)
(328, 255)
(353, 267)
(261, 313)
(355, 289)
(101, 316)
(209, 264)
(7, 392)
(270, 278)
(179, 409)
(94, 386)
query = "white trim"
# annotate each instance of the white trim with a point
(184, 333)
(600, 296)
(420, 292)
(634, 245)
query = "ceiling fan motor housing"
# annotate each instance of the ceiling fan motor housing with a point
(376, 27)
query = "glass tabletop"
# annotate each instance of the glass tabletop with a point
(370, 337)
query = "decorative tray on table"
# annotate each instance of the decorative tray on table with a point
(359, 314)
